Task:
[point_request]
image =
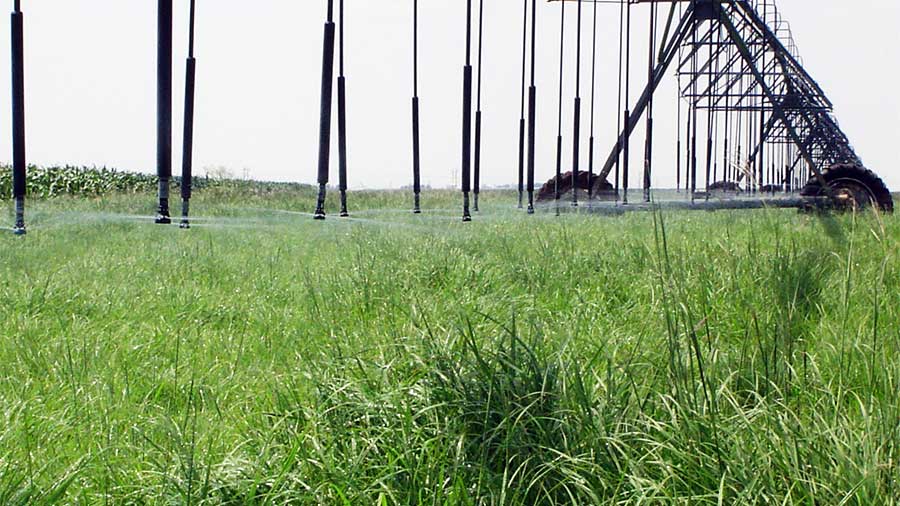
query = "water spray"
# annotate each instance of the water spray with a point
(188, 152)
(18, 113)
(164, 108)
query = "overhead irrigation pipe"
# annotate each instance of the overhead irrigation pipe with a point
(342, 120)
(188, 151)
(618, 161)
(417, 180)
(559, 138)
(164, 108)
(18, 115)
(521, 187)
(325, 110)
(532, 108)
(467, 117)
(477, 174)
(671, 48)
(711, 81)
(626, 151)
(648, 146)
(678, 145)
(576, 130)
(695, 50)
(590, 190)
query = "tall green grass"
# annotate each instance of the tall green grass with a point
(652, 358)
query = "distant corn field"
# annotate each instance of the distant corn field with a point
(70, 180)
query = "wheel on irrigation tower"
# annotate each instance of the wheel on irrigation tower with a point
(852, 187)
(601, 189)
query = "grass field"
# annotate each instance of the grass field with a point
(747, 357)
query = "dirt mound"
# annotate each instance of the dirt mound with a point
(600, 188)
(725, 186)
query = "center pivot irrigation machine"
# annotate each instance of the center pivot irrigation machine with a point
(751, 120)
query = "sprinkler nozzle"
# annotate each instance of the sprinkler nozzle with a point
(467, 217)
(162, 213)
(185, 212)
(19, 228)
(320, 204)
(344, 212)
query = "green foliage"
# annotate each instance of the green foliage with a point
(76, 181)
(741, 357)
(49, 182)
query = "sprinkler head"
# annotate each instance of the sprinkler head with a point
(185, 212)
(19, 228)
(344, 212)
(162, 214)
(320, 203)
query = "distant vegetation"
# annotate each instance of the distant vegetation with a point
(48, 182)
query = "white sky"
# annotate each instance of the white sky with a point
(90, 84)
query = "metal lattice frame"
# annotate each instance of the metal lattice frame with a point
(751, 66)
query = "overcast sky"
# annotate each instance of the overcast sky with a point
(90, 84)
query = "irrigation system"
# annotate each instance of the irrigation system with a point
(753, 124)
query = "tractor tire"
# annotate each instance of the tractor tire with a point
(852, 187)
